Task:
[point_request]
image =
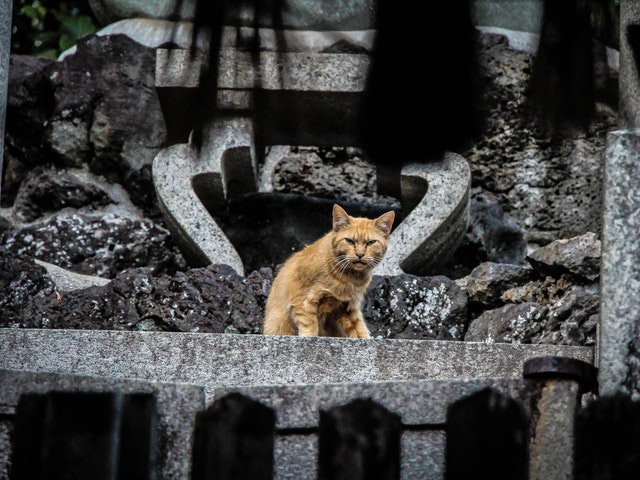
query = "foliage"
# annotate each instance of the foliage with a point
(48, 27)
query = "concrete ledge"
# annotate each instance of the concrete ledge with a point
(177, 407)
(219, 360)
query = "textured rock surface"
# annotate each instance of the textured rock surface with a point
(551, 187)
(212, 299)
(569, 320)
(522, 323)
(24, 285)
(97, 107)
(100, 246)
(47, 189)
(339, 173)
(579, 255)
(405, 306)
(488, 281)
(492, 236)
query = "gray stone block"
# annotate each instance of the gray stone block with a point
(5, 47)
(629, 80)
(68, 281)
(177, 408)
(620, 271)
(224, 360)
(422, 406)
(435, 226)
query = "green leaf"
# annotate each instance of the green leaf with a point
(30, 12)
(46, 37)
(77, 27)
(66, 42)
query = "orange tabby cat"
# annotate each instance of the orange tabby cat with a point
(319, 289)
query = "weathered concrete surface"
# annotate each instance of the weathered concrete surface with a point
(433, 229)
(219, 360)
(177, 406)
(422, 406)
(629, 99)
(620, 271)
(5, 47)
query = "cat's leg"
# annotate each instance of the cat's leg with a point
(355, 326)
(305, 317)
(277, 322)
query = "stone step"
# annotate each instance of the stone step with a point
(223, 360)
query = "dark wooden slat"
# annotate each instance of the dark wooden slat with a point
(234, 440)
(358, 441)
(607, 440)
(139, 438)
(486, 438)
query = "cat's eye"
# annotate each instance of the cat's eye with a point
(350, 241)
(371, 242)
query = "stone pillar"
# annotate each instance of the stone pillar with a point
(629, 81)
(620, 275)
(5, 46)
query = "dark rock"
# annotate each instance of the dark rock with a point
(560, 314)
(406, 306)
(47, 189)
(492, 235)
(573, 319)
(550, 186)
(344, 46)
(97, 107)
(545, 291)
(489, 281)
(522, 323)
(341, 174)
(22, 283)
(96, 246)
(211, 299)
(579, 256)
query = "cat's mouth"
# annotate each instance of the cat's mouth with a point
(359, 264)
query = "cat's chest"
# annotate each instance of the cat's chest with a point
(328, 305)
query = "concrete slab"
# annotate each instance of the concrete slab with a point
(620, 271)
(5, 48)
(629, 101)
(177, 407)
(224, 360)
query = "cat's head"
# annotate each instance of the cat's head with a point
(359, 243)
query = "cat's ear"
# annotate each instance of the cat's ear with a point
(385, 221)
(340, 218)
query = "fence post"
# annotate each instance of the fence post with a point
(486, 438)
(607, 440)
(68, 435)
(561, 383)
(359, 441)
(234, 440)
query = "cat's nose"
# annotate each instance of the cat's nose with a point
(359, 254)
